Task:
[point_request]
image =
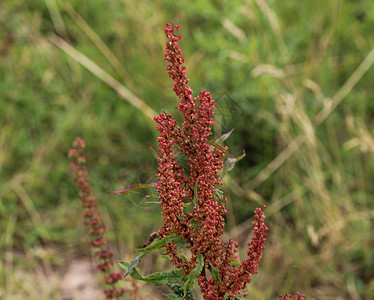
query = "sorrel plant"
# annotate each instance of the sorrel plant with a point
(191, 198)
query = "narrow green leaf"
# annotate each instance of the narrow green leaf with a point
(154, 152)
(184, 259)
(215, 273)
(216, 145)
(178, 290)
(134, 273)
(133, 188)
(173, 297)
(234, 263)
(178, 241)
(218, 142)
(219, 195)
(135, 262)
(153, 196)
(227, 295)
(129, 266)
(224, 137)
(230, 163)
(158, 278)
(195, 198)
(194, 274)
(124, 265)
(161, 278)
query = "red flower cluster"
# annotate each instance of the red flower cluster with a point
(92, 218)
(297, 296)
(202, 226)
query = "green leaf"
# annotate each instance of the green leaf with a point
(124, 266)
(154, 152)
(218, 142)
(194, 274)
(216, 145)
(178, 241)
(161, 278)
(128, 267)
(224, 137)
(234, 263)
(134, 273)
(227, 297)
(144, 251)
(195, 199)
(173, 297)
(178, 290)
(158, 278)
(184, 259)
(230, 163)
(215, 273)
(153, 196)
(219, 195)
(133, 188)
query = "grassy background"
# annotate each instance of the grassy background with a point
(295, 80)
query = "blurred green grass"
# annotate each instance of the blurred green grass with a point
(272, 66)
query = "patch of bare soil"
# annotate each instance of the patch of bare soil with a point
(80, 282)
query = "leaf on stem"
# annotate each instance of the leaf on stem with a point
(215, 273)
(195, 198)
(158, 278)
(230, 163)
(154, 152)
(218, 142)
(177, 240)
(130, 267)
(178, 290)
(224, 137)
(134, 187)
(194, 274)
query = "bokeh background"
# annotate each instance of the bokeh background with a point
(295, 80)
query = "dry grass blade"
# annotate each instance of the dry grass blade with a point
(340, 224)
(277, 162)
(30, 207)
(345, 89)
(274, 24)
(92, 35)
(104, 76)
(57, 20)
(234, 30)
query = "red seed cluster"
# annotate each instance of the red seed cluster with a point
(297, 296)
(92, 218)
(202, 226)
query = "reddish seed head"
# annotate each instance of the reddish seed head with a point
(97, 227)
(202, 227)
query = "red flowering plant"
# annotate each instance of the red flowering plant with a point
(192, 200)
(96, 225)
(93, 219)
